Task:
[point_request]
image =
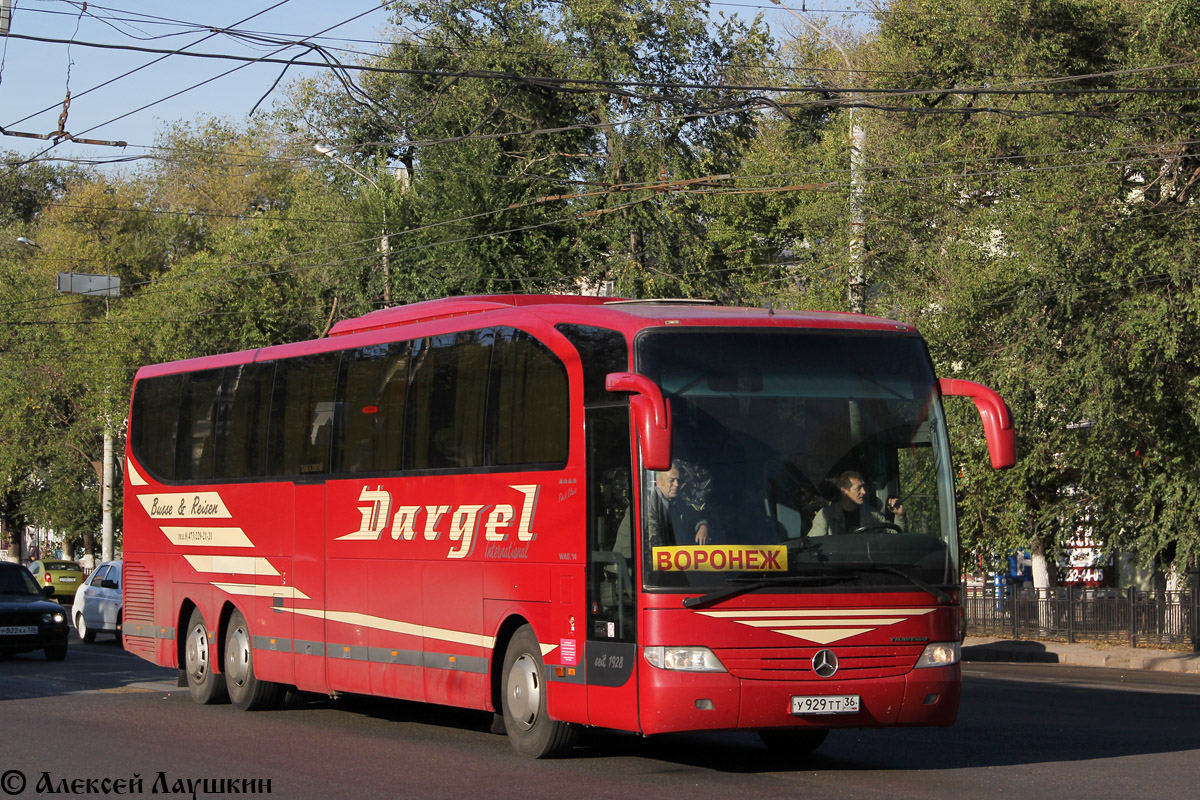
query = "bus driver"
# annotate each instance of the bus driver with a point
(851, 511)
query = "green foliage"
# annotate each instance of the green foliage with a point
(565, 158)
(1035, 218)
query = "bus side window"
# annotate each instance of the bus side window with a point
(372, 389)
(302, 416)
(155, 413)
(197, 428)
(241, 428)
(447, 401)
(528, 411)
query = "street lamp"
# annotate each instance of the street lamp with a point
(858, 141)
(330, 152)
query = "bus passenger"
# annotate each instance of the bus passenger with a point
(676, 509)
(851, 511)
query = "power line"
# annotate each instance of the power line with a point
(613, 84)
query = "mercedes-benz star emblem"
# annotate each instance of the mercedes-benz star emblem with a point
(825, 663)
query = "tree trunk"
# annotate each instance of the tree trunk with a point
(1042, 581)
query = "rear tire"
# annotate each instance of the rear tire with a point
(245, 690)
(792, 742)
(204, 685)
(523, 697)
(85, 633)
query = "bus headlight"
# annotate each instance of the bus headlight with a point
(940, 654)
(683, 659)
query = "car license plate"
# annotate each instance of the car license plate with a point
(825, 704)
(18, 630)
(67, 580)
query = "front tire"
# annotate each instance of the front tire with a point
(56, 652)
(85, 633)
(245, 690)
(204, 685)
(523, 697)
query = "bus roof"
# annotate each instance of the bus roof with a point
(621, 314)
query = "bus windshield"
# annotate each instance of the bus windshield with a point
(800, 458)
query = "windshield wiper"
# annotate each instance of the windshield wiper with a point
(751, 585)
(941, 596)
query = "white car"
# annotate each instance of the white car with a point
(97, 606)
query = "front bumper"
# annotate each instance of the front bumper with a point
(677, 701)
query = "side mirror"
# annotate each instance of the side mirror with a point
(48, 591)
(997, 420)
(651, 416)
(108, 583)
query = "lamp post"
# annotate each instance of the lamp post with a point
(330, 152)
(858, 141)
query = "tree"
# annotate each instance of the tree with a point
(545, 145)
(1043, 239)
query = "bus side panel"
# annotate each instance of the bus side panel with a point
(308, 589)
(258, 579)
(396, 660)
(457, 654)
(149, 624)
(566, 698)
(613, 707)
(348, 623)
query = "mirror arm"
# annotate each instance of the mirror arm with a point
(652, 416)
(996, 418)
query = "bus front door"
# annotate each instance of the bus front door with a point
(611, 644)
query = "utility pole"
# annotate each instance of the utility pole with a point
(857, 285)
(330, 152)
(104, 286)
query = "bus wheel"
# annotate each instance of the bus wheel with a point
(530, 730)
(204, 685)
(792, 742)
(245, 691)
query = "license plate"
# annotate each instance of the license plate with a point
(18, 630)
(67, 580)
(825, 704)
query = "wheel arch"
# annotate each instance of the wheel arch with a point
(227, 609)
(512, 623)
(181, 626)
(185, 614)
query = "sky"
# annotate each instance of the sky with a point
(109, 105)
(35, 76)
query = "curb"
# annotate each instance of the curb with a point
(1080, 655)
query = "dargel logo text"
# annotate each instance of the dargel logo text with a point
(497, 521)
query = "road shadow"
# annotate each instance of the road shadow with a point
(102, 665)
(1003, 723)
(1020, 650)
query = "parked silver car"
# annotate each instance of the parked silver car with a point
(97, 606)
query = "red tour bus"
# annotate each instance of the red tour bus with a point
(570, 511)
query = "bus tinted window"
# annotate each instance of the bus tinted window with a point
(302, 415)
(243, 408)
(156, 410)
(197, 425)
(529, 412)
(447, 401)
(601, 351)
(374, 388)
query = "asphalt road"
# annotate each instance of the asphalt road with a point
(1026, 730)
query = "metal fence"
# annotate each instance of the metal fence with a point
(1139, 619)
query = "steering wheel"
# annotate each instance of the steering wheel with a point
(878, 526)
